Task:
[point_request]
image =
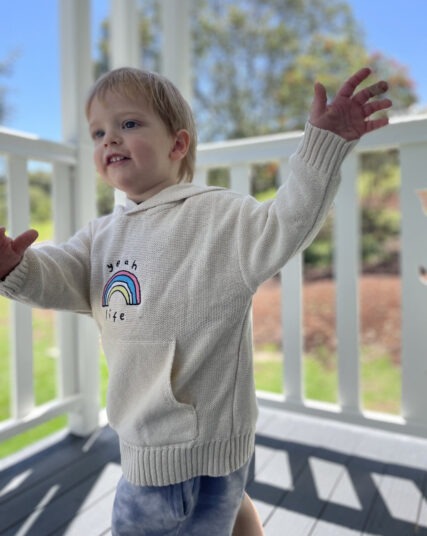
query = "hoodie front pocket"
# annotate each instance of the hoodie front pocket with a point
(141, 405)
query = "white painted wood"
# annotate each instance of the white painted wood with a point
(240, 179)
(125, 47)
(347, 260)
(76, 69)
(63, 213)
(413, 161)
(124, 27)
(88, 351)
(31, 147)
(21, 334)
(18, 195)
(66, 326)
(77, 77)
(412, 129)
(406, 129)
(365, 419)
(200, 176)
(292, 310)
(254, 150)
(38, 415)
(176, 44)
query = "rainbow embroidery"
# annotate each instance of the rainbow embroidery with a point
(126, 284)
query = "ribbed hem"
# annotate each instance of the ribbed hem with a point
(162, 466)
(323, 149)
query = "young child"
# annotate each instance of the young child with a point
(169, 279)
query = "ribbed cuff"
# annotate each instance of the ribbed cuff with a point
(13, 283)
(323, 149)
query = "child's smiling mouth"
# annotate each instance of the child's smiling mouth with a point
(115, 158)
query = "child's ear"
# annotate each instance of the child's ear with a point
(181, 145)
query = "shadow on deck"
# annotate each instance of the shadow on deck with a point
(311, 478)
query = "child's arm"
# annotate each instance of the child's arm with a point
(269, 234)
(12, 251)
(348, 114)
(49, 276)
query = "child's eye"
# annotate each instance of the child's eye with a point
(130, 124)
(96, 134)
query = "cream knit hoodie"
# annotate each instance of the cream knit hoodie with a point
(170, 284)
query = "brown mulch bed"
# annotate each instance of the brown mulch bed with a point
(379, 309)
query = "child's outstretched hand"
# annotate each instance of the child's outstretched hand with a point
(348, 114)
(12, 251)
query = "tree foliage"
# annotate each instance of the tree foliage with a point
(258, 60)
(255, 61)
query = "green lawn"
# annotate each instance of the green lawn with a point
(380, 381)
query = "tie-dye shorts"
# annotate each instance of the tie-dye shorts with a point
(202, 506)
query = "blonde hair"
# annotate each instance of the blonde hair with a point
(164, 99)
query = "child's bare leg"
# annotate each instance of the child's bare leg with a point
(248, 522)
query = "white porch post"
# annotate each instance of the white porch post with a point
(124, 44)
(176, 51)
(76, 61)
(413, 161)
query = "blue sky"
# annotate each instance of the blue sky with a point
(29, 32)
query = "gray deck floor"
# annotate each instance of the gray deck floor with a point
(312, 478)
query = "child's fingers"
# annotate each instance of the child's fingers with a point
(374, 124)
(319, 100)
(347, 89)
(24, 241)
(364, 95)
(376, 106)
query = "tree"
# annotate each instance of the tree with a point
(149, 32)
(260, 59)
(255, 61)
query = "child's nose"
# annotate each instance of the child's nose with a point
(111, 138)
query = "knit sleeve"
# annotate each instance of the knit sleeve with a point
(270, 233)
(53, 277)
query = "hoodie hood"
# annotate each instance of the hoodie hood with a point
(171, 194)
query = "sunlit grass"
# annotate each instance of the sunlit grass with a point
(380, 381)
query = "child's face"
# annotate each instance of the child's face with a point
(133, 151)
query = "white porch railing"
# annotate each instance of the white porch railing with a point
(78, 382)
(77, 369)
